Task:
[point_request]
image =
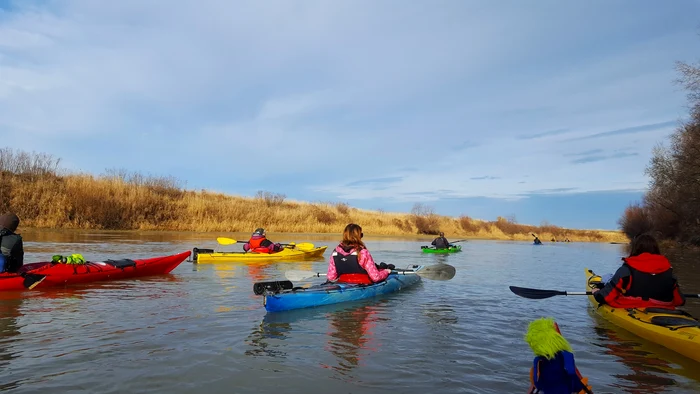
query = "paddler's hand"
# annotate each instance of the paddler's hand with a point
(595, 290)
(388, 271)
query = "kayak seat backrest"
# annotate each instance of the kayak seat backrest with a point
(272, 287)
(672, 321)
(666, 311)
(124, 263)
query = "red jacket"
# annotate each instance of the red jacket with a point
(643, 281)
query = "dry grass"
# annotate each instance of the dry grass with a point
(120, 200)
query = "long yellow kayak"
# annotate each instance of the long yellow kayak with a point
(210, 256)
(673, 329)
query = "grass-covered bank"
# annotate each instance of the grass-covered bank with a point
(44, 196)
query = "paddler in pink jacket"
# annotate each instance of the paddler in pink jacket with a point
(351, 262)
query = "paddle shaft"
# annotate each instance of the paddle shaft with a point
(397, 272)
(541, 293)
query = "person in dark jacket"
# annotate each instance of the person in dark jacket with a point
(11, 248)
(645, 279)
(441, 242)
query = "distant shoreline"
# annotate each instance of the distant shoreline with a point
(45, 197)
(241, 235)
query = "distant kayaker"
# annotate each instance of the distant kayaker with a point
(645, 279)
(12, 256)
(537, 241)
(351, 262)
(441, 242)
(554, 369)
(259, 243)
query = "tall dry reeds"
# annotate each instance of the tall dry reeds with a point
(118, 199)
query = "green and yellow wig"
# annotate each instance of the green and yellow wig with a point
(544, 338)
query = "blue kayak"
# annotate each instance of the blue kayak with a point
(333, 293)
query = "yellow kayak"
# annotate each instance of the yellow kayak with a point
(673, 329)
(288, 253)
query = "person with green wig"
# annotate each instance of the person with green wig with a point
(554, 370)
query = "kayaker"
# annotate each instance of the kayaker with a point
(537, 241)
(554, 369)
(260, 244)
(645, 279)
(11, 248)
(441, 242)
(351, 262)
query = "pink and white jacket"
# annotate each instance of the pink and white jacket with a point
(366, 262)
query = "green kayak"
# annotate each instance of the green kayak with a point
(451, 249)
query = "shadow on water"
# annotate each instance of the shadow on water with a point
(651, 366)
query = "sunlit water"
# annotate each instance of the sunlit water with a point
(201, 329)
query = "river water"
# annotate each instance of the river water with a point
(202, 330)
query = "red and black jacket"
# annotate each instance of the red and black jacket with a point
(643, 281)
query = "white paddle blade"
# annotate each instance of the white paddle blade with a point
(296, 275)
(438, 272)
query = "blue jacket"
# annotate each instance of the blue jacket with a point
(557, 376)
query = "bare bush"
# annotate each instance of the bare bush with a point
(508, 226)
(343, 208)
(546, 227)
(270, 199)
(635, 221)
(323, 216)
(425, 219)
(28, 164)
(468, 224)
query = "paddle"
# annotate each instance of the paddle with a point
(226, 241)
(304, 246)
(32, 280)
(434, 272)
(538, 294)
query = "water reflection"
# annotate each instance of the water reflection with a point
(9, 328)
(650, 370)
(351, 335)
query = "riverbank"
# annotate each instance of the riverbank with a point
(34, 188)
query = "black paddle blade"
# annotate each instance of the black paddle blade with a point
(31, 280)
(535, 294)
(438, 272)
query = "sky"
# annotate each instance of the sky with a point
(543, 110)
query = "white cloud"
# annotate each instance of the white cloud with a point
(318, 91)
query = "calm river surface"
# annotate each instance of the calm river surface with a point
(201, 329)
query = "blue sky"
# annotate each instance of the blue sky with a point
(546, 110)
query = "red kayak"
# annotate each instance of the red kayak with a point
(41, 275)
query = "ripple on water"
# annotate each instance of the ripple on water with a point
(202, 330)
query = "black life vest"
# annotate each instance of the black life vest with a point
(347, 264)
(651, 286)
(8, 243)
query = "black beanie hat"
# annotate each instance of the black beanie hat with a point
(9, 221)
